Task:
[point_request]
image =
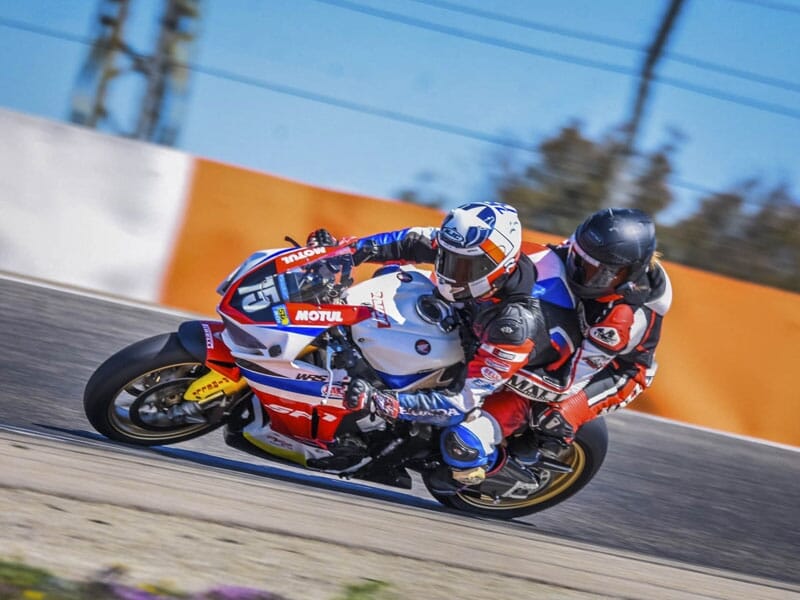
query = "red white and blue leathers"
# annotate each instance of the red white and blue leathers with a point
(612, 365)
(535, 341)
(525, 323)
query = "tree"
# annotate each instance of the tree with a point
(750, 231)
(568, 181)
(747, 232)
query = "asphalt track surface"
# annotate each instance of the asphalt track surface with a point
(666, 491)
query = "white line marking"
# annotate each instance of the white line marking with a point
(735, 436)
(78, 291)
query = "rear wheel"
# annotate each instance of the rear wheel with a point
(130, 396)
(584, 458)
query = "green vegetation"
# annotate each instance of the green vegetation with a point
(367, 590)
(750, 231)
(19, 581)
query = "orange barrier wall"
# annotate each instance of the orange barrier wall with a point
(728, 348)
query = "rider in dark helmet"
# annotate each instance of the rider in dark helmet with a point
(624, 293)
(611, 252)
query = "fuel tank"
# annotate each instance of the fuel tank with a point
(405, 336)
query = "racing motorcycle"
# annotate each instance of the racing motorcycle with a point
(294, 329)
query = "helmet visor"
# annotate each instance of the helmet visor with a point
(590, 273)
(462, 269)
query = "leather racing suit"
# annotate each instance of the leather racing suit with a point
(614, 363)
(530, 322)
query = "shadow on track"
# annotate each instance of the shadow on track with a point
(303, 478)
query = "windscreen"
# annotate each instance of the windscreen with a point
(322, 281)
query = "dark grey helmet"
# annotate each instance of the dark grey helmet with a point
(609, 249)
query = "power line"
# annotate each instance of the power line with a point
(558, 56)
(533, 25)
(325, 99)
(361, 108)
(772, 5)
(477, 37)
(734, 98)
(45, 31)
(613, 42)
(300, 93)
(733, 72)
(673, 82)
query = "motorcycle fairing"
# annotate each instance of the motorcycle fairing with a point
(314, 423)
(427, 379)
(267, 436)
(310, 385)
(202, 339)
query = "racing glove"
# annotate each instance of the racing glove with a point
(320, 237)
(563, 419)
(365, 250)
(360, 394)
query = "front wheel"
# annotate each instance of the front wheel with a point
(129, 396)
(584, 458)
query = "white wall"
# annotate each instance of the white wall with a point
(88, 209)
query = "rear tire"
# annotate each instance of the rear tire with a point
(585, 456)
(127, 397)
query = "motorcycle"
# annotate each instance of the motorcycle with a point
(294, 329)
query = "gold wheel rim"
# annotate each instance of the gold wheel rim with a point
(118, 409)
(557, 485)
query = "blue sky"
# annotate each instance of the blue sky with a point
(323, 48)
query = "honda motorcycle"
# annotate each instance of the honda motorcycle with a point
(295, 329)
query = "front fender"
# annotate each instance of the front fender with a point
(202, 340)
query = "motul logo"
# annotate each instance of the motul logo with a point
(315, 316)
(295, 256)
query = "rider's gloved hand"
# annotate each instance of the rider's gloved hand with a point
(365, 250)
(563, 419)
(320, 237)
(360, 394)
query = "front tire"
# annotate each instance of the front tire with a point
(584, 456)
(128, 396)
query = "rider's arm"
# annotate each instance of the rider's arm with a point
(505, 347)
(411, 245)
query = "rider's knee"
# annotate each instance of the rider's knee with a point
(470, 443)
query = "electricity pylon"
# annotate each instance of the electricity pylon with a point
(165, 72)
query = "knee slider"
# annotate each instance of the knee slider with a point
(462, 447)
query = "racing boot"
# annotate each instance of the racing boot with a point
(447, 481)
